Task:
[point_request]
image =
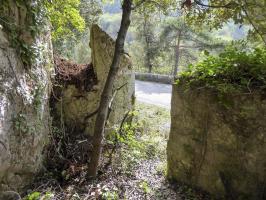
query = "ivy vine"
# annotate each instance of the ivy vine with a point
(233, 71)
(15, 29)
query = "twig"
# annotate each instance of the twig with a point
(229, 5)
(112, 99)
(3, 144)
(116, 140)
(91, 114)
(249, 84)
(252, 24)
(9, 23)
(10, 65)
(138, 4)
(96, 111)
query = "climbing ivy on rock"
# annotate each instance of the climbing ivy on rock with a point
(232, 71)
(21, 21)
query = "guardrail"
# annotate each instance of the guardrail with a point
(167, 79)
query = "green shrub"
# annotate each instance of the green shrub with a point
(231, 71)
(37, 196)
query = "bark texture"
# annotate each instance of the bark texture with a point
(107, 92)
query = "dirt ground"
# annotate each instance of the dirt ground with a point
(137, 169)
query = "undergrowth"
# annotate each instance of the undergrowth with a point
(233, 71)
(142, 138)
(133, 164)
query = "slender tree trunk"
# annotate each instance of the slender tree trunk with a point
(177, 53)
(107, 92)
(148, 46)
(149, 63)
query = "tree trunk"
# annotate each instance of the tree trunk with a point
(149, 63)
(107, 92)
(148, 46)
(177, 53)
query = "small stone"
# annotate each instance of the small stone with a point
(9, 195)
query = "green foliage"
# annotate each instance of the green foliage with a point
(110, 195)
(162, 169)
(133, 149)
(163, 6)
(37, 96)
(215, 13)
(37, 196)
(147, 26)
(20, 123)
(232, 71)
(20, 32)
(145, 187)
(191, 36)
(22, 126)
(65, 18)
(185, 41)
(143, 139)
(164, 41)
(71, 32)
(90, 10)
(33, 196)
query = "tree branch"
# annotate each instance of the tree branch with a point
(229, 5)
(252, 24)
(112, 99)
(138, 4)
(116, 140)
(3, 144)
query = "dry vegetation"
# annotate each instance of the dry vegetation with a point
(137, 169)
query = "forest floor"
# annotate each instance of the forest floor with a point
(137, 169)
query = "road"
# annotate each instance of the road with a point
(153, 93)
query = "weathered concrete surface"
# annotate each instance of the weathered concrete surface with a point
(219, 144)
(154, 77)
(24, 107)
(78, 104)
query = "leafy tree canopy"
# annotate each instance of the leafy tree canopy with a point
(65, 18)
(215, 13)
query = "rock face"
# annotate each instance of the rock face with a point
(219, 144)
(79, 105)
(24, 107)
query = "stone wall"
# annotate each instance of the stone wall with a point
(24, 107)
(154, 77)
(218, 142)
(79, 107)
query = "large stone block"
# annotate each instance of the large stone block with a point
(77, 104)
(24, 106)
(218, 142)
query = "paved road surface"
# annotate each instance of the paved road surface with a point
(154, 93)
